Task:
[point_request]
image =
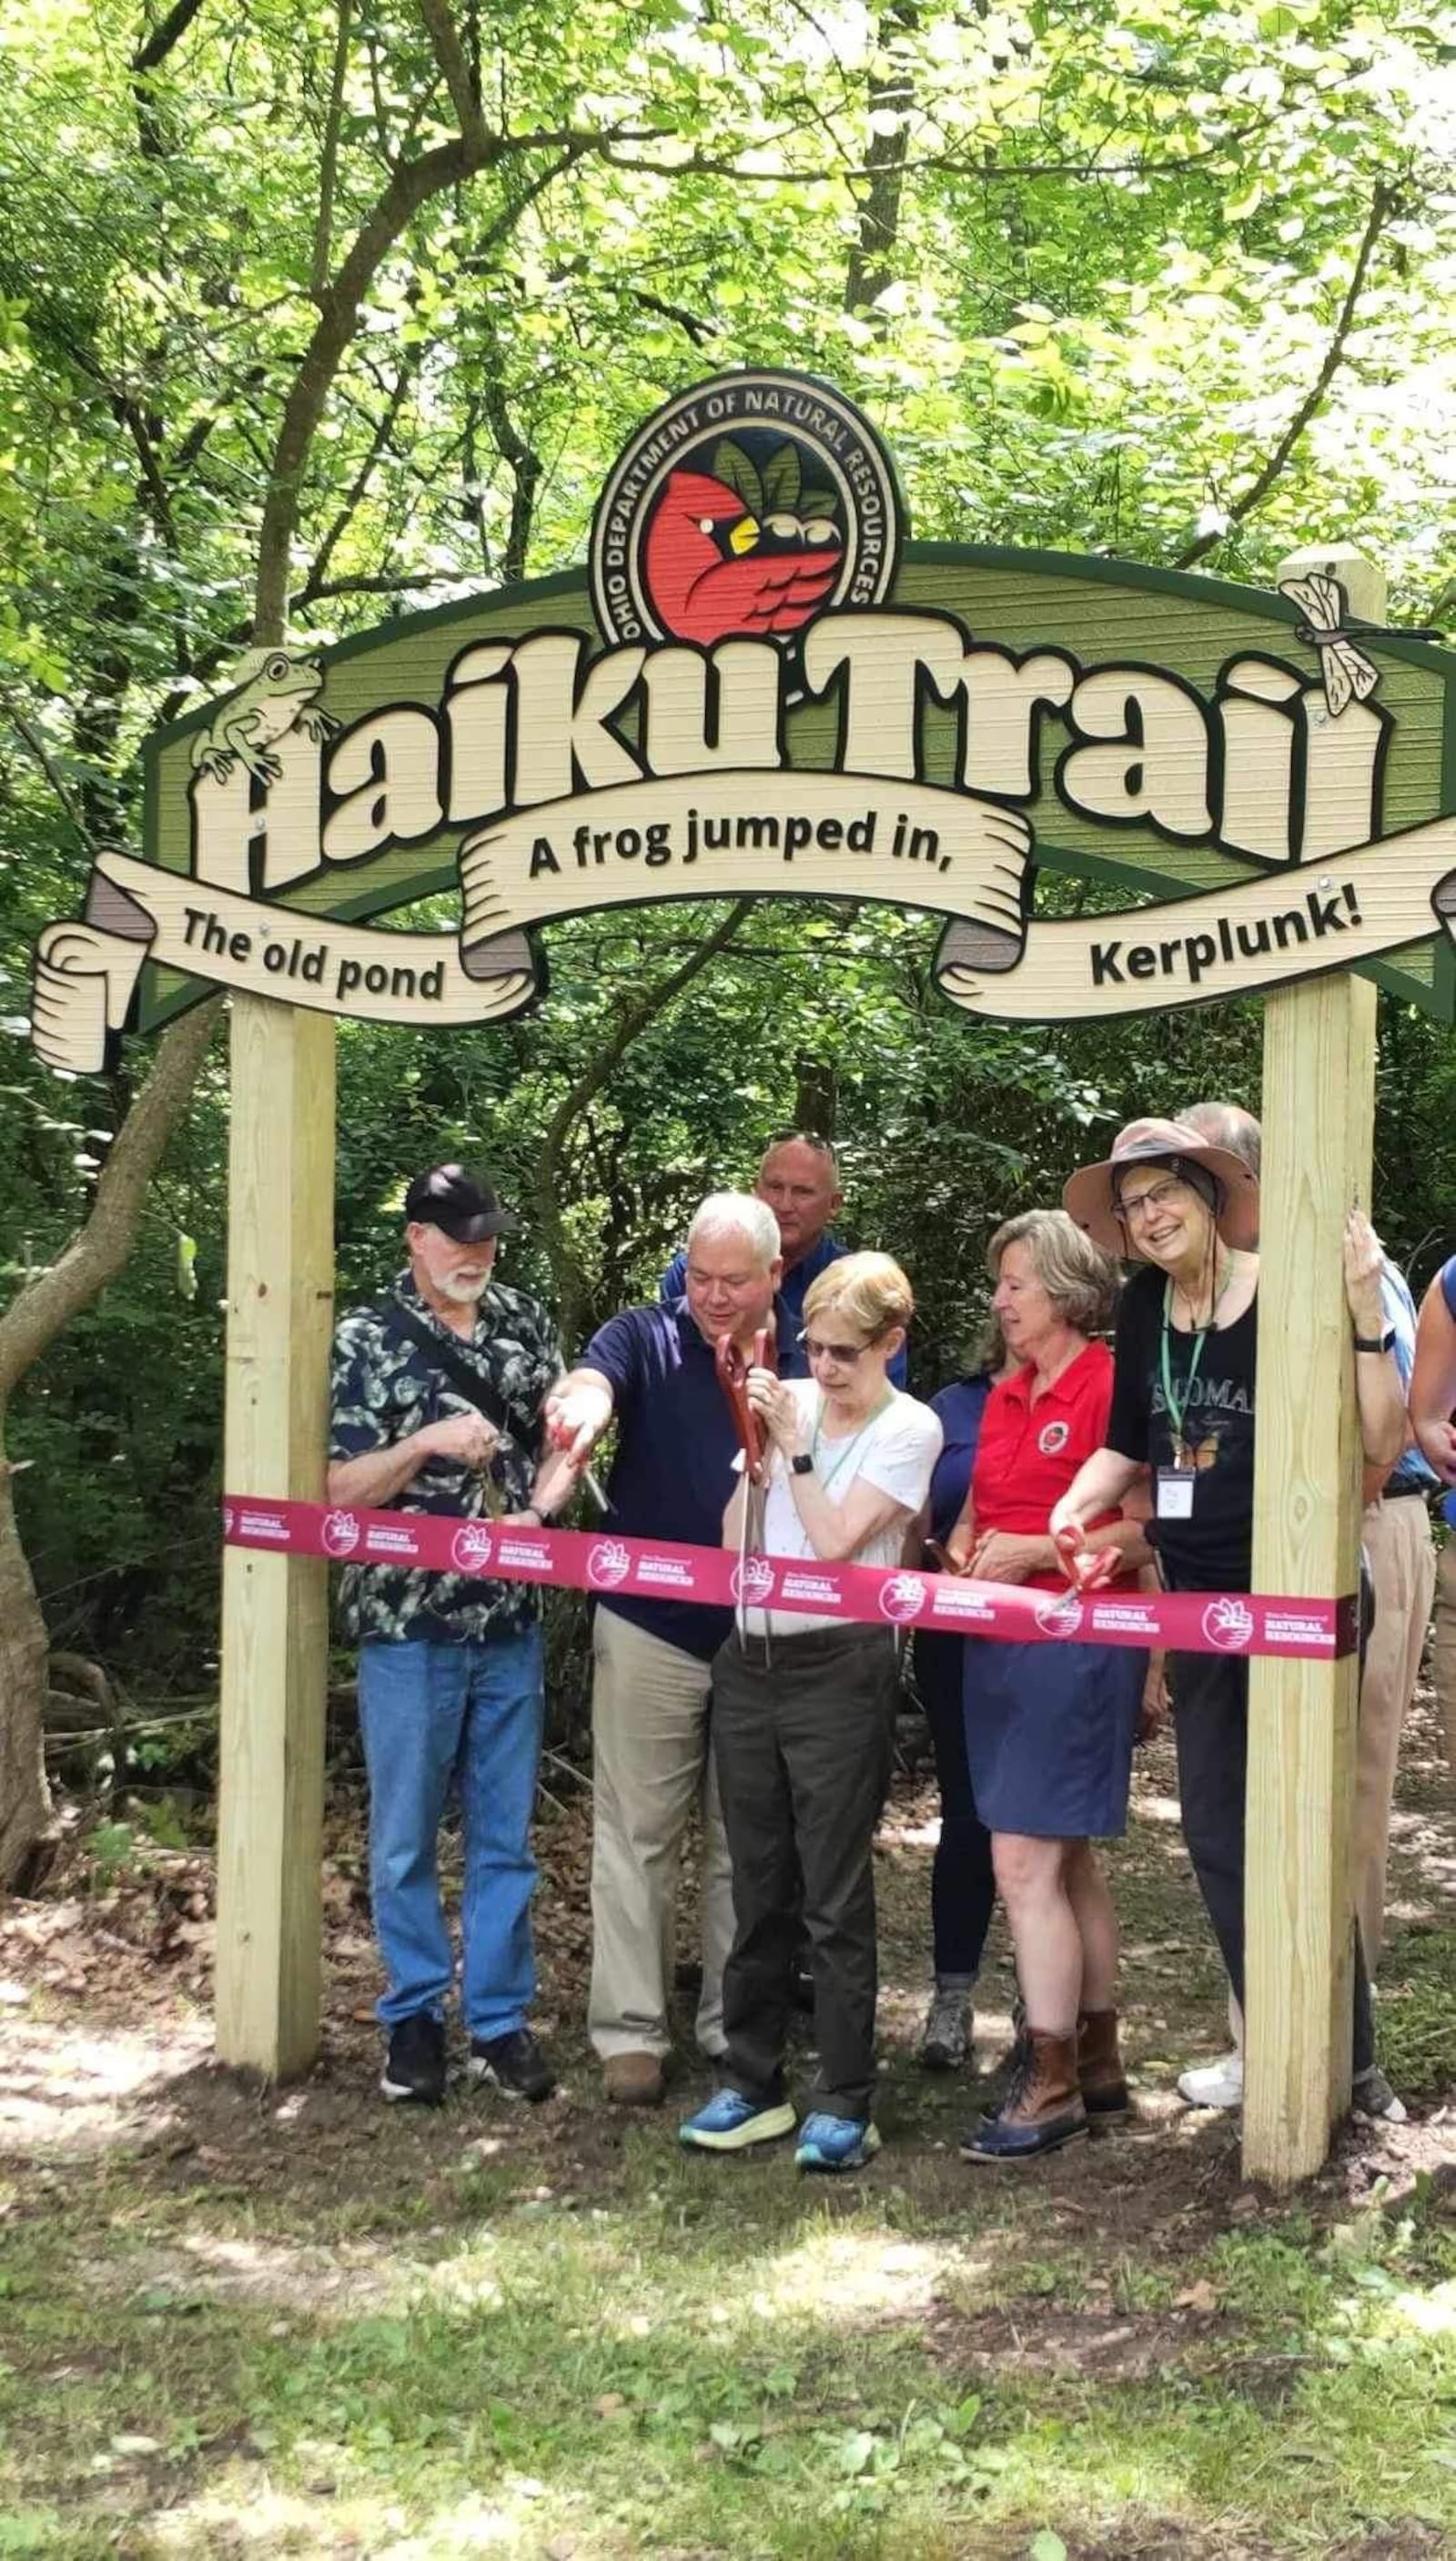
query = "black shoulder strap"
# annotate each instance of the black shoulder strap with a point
(461, 1373)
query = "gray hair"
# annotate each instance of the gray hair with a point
(1227, 1125)
(1080, 1281)
(736, 1214)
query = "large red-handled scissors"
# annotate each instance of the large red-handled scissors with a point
(732, 1378)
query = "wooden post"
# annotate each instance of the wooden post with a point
(280, 1253)
(1318, 1116)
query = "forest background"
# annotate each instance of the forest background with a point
(312, 315)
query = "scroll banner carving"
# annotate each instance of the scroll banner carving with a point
(1200, 1622)
(724, 834)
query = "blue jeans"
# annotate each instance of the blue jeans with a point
(431, 1713)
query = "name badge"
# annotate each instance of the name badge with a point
(1174, 1493)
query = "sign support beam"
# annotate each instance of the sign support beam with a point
(1318, 1116)
(280, 1285)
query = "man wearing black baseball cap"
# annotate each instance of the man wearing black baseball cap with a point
(438, 1392)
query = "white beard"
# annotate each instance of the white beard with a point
(464, 1293)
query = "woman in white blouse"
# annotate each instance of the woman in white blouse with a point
(803, 1721)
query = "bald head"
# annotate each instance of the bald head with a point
(1227, 1125)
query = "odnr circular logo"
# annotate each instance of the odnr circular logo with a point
(1052, 1437)
(341, 1533)
(472, 1547)
(752, 1581)
(1058, 1614)
(901, 1598)
(743, 508)
(608, 1564)
(1229, 1624)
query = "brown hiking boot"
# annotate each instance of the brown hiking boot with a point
(634, 2080)
(1099, 2064)
(1043, 2107)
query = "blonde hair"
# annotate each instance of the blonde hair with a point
(1080, 1281)
(871, 1289)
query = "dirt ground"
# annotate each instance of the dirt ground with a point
(106, 2030)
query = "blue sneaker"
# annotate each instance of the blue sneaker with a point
(836, 2142)
(731, 2122)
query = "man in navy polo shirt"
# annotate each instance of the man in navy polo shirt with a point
(800, 1179)
(652, 1372)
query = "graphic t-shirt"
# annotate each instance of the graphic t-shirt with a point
(1210, 1550)
(894, 1451)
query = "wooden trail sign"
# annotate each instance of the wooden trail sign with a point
(758, 684)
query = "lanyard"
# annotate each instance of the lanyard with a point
(827, 1475)
(1176, 1411)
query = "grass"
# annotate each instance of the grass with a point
(729, 2364)
(261, 2326)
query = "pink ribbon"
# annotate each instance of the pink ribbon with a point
(645, 1568)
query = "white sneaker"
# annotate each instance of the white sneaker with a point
(1213, 2085)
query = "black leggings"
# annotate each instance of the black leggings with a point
(962, 1880)
(1211, 1723)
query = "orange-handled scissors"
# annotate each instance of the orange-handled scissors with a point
(732, 1378)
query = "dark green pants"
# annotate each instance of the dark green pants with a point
(803, 1734)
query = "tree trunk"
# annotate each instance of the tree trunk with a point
(34, 1318)
(24, 1799)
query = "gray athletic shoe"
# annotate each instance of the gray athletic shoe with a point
(1370, 2094)
(946, 2039)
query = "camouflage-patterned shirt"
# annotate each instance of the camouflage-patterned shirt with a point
(383, 1387)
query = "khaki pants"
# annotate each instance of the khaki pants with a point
(1397, 1541)
(650, 1766)
(1443, 1647)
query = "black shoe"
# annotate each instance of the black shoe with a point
(414, 2067)
(514, 2061)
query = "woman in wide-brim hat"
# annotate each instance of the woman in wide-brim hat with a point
(1182, 1406)
(1227, 1186)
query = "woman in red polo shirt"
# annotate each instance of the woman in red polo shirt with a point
(1049, 1727)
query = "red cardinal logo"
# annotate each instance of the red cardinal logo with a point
(714, 566)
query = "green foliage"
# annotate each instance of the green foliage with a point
(1090, 268)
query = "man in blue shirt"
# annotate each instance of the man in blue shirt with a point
(799, 1180)
(652, 1373)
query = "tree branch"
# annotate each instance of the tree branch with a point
(449, 52)
(1382, 204)
(97, 1251)
(412, 185)
(318, 274)
(891, 92)
(384, 428)
(634, 1017)
(53, 775)
(162, 40)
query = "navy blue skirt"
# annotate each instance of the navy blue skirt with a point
(1049, 1735)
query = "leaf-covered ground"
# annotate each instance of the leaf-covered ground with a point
(237, 2322)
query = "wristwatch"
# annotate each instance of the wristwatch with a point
(1384, 1342)
(802, 1464)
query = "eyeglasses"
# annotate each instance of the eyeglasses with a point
(1157, 1196)
(845, 1354)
